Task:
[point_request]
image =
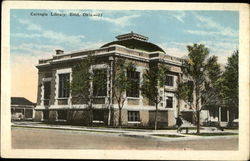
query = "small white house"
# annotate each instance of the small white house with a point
(21, 109)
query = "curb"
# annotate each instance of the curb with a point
(72, 129)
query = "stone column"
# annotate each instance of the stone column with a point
(111, 59)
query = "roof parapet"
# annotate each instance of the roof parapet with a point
(132, 35)
(58, 51)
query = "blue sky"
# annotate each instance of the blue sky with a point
(169, 29)
(36, 37)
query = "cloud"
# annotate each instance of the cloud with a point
(214, 27)
(226, 32)
(56, 37)
(40, 51)
(179, 16)
(123, 21)
(30, 25)
(207, 22)
(178, 51)
(222, 49)
(60, 37)
(30, 46)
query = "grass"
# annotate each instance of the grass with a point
(214, 134)
(168, 135)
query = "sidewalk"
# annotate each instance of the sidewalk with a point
(138, 133)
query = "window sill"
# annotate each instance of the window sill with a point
(99, 96)
(133, 98)
(97, 121)
(62, 98)
(169, 109)
(134, 122)
(61, 120)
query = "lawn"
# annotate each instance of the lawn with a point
(168, 135)
(214, 134)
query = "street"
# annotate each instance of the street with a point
(34, 138)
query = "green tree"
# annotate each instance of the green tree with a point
(87, 83)
(229, 83)
(121, 84)
(153, 80)
(203, 71)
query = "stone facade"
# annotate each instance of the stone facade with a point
(140, 110)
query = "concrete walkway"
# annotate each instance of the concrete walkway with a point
(139, 133)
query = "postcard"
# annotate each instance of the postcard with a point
(125, 80)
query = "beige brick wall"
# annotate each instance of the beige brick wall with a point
(171, 118)
(78, 116)
(124, 116)
(133, 102)
(165, 118)
(75, 115)
(52, 115)
(38, 116)
(144, 116)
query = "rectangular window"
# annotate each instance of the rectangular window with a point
(64, 85)
(134, 77)
(100, 83)
(223, 114)
(133, 116)
(169, 80)
(47, 90)
(169, 102)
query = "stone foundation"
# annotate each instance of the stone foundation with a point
(81, 117)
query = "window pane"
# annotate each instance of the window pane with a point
(169, 102)
(223, 114)
(47, 90)
(169, 80)
(133, 116)
(100, 83)
(64, 85)
(134, 77)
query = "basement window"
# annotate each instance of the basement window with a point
(133, 116)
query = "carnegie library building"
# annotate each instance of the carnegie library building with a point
(56, 103)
